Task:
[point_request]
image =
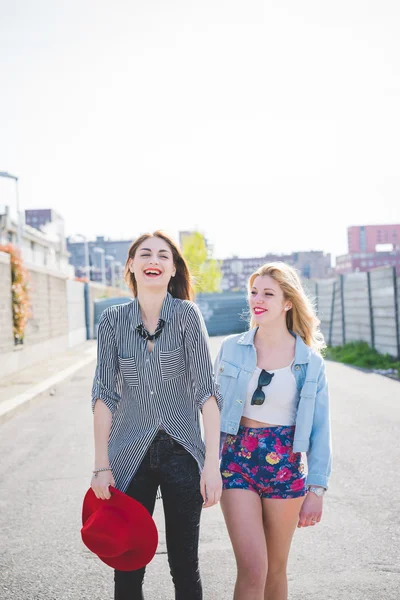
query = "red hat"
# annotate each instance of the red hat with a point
(120, 530)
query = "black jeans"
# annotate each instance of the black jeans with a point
(168, 465)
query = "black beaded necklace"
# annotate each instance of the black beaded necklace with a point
(150, 337)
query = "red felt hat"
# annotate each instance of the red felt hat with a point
(120, 530)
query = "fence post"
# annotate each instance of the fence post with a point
(342, 303)
(371, 310)
(396, 312)
(332, 312)
(87, 310)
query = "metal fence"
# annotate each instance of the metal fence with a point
(360, 307)
(224, 314)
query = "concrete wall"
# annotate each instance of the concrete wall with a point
(49, 310)
(76, 312)
(383, 303)
(58, 319)
(356, 308)
(6, 328)
(46, 332)
(58, 315)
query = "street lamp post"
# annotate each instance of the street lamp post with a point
(87, 263)
(15, 178)
(112, 268)
(103, 263)
(86, 249)
(118, 271)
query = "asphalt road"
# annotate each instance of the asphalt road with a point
(354, 554)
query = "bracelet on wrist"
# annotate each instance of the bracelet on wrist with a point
(96, 471)
(317, 490)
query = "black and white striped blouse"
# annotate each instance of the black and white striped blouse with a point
(163, 389)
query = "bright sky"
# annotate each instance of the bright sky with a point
(269, 126)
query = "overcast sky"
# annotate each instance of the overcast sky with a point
(268, 126)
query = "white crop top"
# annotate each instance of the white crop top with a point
(281, 398)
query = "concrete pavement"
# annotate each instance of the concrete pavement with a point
(19, 390)
(47, 455)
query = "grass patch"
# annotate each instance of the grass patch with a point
(360, 354)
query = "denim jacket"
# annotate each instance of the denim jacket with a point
(236, 362)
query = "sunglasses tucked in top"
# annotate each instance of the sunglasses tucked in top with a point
(272, 396)
(264, 380)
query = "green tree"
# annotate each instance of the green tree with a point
(205, 270)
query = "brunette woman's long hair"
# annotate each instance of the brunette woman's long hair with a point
(180, 285)
(301, 319)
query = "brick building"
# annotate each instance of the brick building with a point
(311, 265)
(370, 246)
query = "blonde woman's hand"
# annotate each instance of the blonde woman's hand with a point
(311, 511)
(211, 483)
(101, 483)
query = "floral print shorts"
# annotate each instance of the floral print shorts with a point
(262, 460)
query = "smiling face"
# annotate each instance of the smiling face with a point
(153, 264)
(266, 300)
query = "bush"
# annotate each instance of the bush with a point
(360, 354)
(21, 304)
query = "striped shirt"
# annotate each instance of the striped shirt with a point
(147, 391)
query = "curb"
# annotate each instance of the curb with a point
(10, 407)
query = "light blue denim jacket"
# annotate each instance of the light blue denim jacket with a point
(236, 362)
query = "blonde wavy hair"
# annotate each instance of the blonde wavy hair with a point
(301, 319)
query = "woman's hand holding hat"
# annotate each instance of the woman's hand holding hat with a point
(100, 484)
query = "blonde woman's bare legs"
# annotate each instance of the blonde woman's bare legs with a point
(280, 519)
(244, 520)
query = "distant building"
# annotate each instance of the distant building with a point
(48, 221)
(117, 249)
(370, 246)
(43, 247)
(365, 261)
(39, 217)
(370, 238)
(311, 265)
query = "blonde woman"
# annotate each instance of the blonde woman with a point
(276, 406)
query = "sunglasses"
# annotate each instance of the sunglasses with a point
(264, 379)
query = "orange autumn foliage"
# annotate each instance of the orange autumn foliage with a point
(21, 304)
